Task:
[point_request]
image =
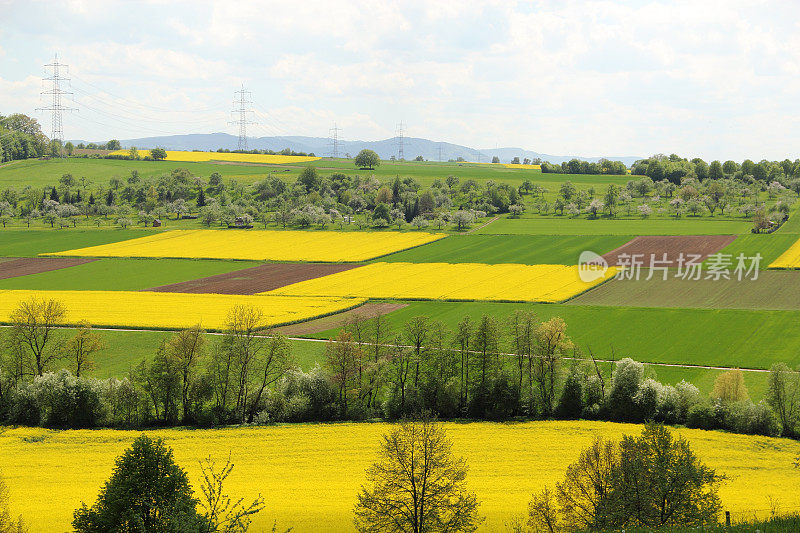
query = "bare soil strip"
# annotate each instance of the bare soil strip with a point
(262, 278)
(12, 268)
(673, 246)
(366, 311)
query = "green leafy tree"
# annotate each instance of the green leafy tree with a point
(660, 482)
(367, 159)
(147, 492)
(158, 154)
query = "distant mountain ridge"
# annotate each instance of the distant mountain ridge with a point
(412, 147)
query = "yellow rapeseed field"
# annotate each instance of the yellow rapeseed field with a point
(519, 165)
(788, 259)
(199, 157)
(446, 281)
(325, 246)
(309, 474)
(173, 310)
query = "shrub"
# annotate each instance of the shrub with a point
(625, 385)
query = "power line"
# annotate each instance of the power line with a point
(244, 102)
(56, 92)
(333, 140)
(399, 136)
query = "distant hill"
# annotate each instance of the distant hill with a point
(386, 148)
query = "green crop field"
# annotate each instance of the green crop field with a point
(123, 274)
(770, 246)
(126, 349)
(770, 290)
(123, 350)
(526, 249)
(564, 225)
(716, 337)
(30, 243)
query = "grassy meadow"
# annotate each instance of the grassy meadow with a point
(716, 337)
(309, 474)
(533, 224)
(495, 249)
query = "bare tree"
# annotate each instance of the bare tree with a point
(186, 348)
(462, 340)
(246, 343)
(224, 515)
(551, 343)
(485, 342)
(416, 332)
(783, 394)
(270, 365)
(417, 485)
(523, 328)
(33, 326)
(342, 357)
(81, 347)
(7, 523)
(400, 362)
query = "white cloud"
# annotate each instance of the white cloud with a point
(714, 78)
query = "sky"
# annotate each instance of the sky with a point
(714, 79)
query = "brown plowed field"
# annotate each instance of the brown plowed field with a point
(11, 268)
(673, 246)
(366, 311)
(262, 278)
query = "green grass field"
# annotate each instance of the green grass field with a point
(126, 349)
(770, 246)
(525, 249)
(564, 225)
(30, 243)
(99, 171)
(771, 290)
(716, 337)
(123, 274)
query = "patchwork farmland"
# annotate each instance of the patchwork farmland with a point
(411, 299)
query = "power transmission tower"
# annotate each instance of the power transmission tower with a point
(440, 152)
(242, 100)
(399, 136)
(333, 140)
(56, 92)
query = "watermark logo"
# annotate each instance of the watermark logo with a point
(591, 266)
(686, 266)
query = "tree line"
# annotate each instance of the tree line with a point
(312, 200)
(522, 368)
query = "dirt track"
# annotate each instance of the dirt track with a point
(257, 279)
(366, 311)
(11, 268)
(673, 246)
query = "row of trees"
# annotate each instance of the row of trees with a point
(480, 369)
(312, 200)
(643, 197)
(674, 168)
(577, 166)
